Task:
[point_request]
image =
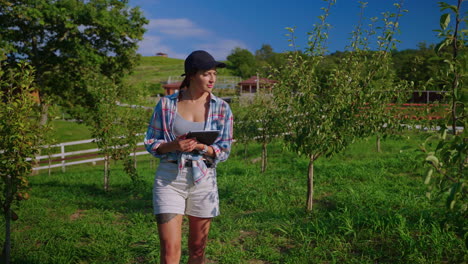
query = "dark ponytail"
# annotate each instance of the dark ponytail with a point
(185, 83)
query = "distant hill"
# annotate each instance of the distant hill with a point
(153, 70)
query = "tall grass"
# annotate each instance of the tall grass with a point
(370, 208)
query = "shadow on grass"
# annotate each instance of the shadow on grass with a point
(85, 196)
(25, 261)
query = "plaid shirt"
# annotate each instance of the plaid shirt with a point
(160, 130)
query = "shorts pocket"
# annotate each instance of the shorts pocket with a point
(166, 172)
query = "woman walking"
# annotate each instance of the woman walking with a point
(185, 181)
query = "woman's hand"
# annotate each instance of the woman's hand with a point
(185, 145)
(179, 144)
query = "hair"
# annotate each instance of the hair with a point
(186, 82)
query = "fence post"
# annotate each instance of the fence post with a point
(50, 158)
(134, 158)
(62, 150)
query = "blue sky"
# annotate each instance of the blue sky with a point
(178, 27)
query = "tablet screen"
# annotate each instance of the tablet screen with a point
(206, 137)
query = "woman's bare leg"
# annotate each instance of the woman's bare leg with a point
(170, 237)
(198, 235)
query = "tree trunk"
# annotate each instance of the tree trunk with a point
(7, 245)
(44, 114)
(455, 80)
(245, 151)
(7, 213)
(50, 160)
(264, 157)
(454, 105)
(378, 144)
(50, 164)
(310, 183)
(42, 123)
(134, 159)
(106, 172)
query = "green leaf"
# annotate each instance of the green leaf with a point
(433, 159)
(444, 133)
(443, 6)
(428, 176)
(452, 204)
(456, 187)
(442, 44)
(428, 195)
(444, 21)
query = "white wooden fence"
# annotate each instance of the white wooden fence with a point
(67, 158)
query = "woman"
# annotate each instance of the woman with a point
(185, 181)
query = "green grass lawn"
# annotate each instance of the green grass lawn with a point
(65, 131)
(369, 208)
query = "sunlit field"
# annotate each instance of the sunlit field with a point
(369, 208)
(361, 113)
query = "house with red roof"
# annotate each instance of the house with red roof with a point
(255, 83)
(171, 88)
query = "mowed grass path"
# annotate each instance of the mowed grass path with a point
(369, 208)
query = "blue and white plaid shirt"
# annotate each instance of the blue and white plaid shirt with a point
(160, 130)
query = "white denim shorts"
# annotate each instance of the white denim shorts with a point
(177, 193)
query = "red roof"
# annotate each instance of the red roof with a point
(253, 81)
(175, 85)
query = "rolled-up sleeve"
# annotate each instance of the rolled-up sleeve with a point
(222, 146)
(155, 133)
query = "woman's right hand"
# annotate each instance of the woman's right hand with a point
(185, 145)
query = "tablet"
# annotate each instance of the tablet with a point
(206, 137)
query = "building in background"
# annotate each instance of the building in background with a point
(171, 88)
(222, 82)
(161, 54)
(254, 83)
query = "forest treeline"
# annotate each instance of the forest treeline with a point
(419, 65)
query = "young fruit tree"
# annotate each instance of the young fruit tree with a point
(323, 114)
(380, 114)
(263, 115)
(244, 124)
(105, 121)
(447, 162)
(134, 122)
(19, 134)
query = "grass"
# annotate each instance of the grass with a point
(65, 131)
(369, 208)
(151, 71)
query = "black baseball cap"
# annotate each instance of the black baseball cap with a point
(201, 60)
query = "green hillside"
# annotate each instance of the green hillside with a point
(156, 69)
(153, 70)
